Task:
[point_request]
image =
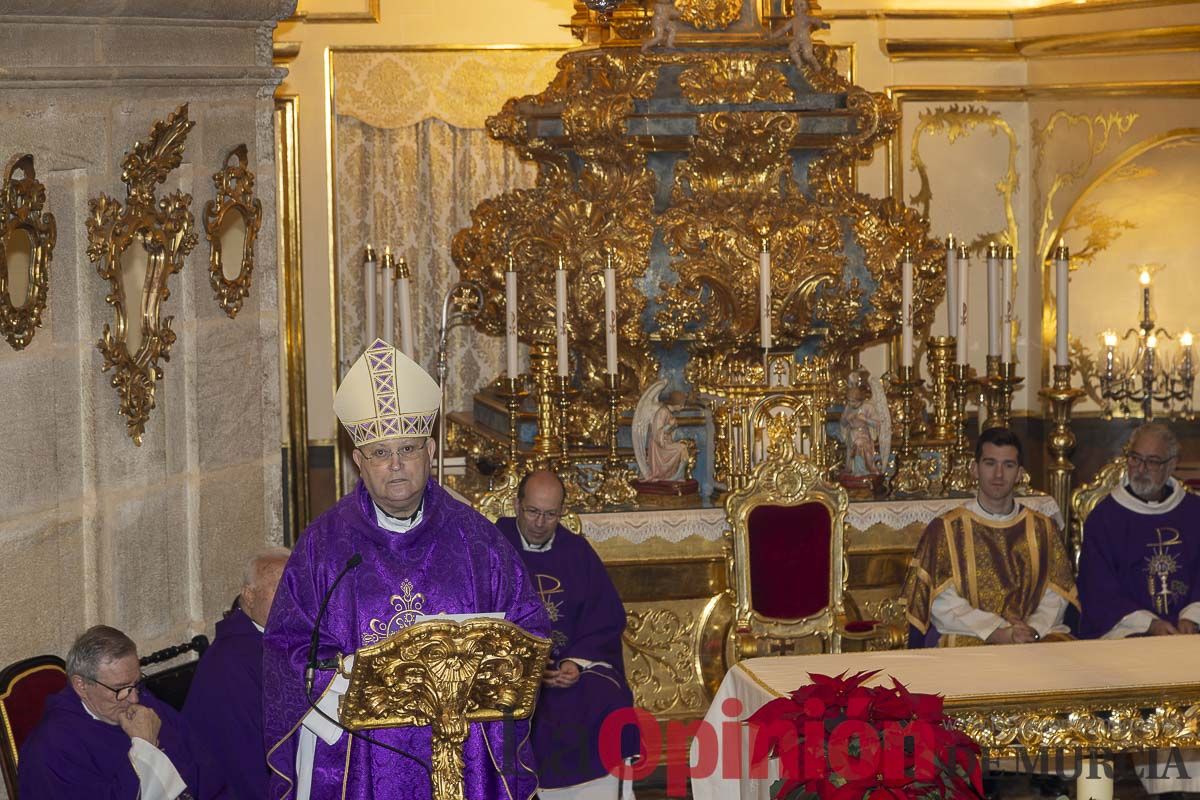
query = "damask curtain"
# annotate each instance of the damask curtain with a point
(412, 160)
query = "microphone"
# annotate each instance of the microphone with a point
(353, 562)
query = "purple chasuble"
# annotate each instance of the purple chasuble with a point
(70, 755)
(224, 706)
(455, 562)
(1135, 561)
(587, 619)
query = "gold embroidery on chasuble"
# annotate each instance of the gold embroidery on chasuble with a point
(1161, 564)
(406, 607)
(547, 587)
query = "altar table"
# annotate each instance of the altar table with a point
(1045, 695)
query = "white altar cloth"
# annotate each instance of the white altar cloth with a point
(969, 678)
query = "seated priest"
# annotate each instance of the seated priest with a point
(992, 571)
(1139, 571)
(224, 704)
(405, 548)
(104, 736)
(585, 680)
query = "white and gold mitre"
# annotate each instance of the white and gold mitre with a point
(386, 395)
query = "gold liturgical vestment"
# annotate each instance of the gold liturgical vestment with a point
(1003, 568)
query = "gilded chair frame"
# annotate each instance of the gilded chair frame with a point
(500, 501)
(784, 478)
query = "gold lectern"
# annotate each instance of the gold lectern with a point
(446, 675)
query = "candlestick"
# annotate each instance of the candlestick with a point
(962, 286)
(993, 295)
(1144, 280)
(513, 393)
(953, 291)
(991, 418)
(369, 265)
(906, 310)
(576, 498)
(1006, 301)
(560, 316)
(541, 366)
(616, 487)
(408, 339)
(911, 476)
(959, 479)
(1061, 442)
(938, 354)
(389, 296)
(510, 319)
(764, 296)
(610, 315)
(1062, 271)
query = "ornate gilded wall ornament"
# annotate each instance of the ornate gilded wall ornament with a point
(709, 15)
(137, 246)
(27, 236)
(231, 223)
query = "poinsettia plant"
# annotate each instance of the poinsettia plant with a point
(839, 739)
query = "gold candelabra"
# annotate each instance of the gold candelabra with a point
(910, 477)
(959, 479)
(1000, 388)
(940, 359)
(1062, 439)
(991, 419)
(541, 365)
(577, 498)
(513, 393)
(615, 488)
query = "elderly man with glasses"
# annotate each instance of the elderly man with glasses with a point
(585, 680)
(105, 736)
(1139, 572)
(404, 547)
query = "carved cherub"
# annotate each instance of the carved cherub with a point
(662, 27)
(801, 26)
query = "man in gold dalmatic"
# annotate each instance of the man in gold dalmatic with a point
(992, 571)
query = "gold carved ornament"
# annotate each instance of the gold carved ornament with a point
(23, 215)
(162, 229)
(446, 675)
(709, 15)
(233, 217)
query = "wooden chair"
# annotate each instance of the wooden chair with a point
(171, 684)
(24, 687)
(499, 503)
(785, 561)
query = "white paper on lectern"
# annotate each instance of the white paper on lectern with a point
(460, 618)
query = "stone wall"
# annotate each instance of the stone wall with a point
(94, 529)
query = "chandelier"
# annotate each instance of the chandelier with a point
(1147, 373)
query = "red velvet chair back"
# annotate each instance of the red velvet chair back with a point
(789, 559)
(24, 687)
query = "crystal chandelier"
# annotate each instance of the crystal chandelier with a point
(1149, 374)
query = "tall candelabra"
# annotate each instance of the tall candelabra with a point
(513, 393)
(615, 488)
(959, 479)
(911, 477)
(576, 498)
(940, 359)
(1062, 439)
(998, 389)
(460, 306)
(990, 419)
(541, 365)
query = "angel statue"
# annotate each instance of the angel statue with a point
(663, 26)
(801, 26)
(866, 428)
(661, 458)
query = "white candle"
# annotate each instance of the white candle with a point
(560, 315)
(1062, 271)
(764, 296)
(610, 315)
(404, 284)
(369, 294)
(510, 319)
(906, 299)
(1006, 303)
(993, 296)
(389, 297)
(962, 287)
(952, 288)
(1095, 781)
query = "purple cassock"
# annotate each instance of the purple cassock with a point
(1134, 559)
(224, 706)
(453, 561)
(587, 619)
(71, 755)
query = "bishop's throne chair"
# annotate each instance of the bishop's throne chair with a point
(785, 561)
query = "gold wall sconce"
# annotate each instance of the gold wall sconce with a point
(27, 236)
(137, 247)
(231, 223)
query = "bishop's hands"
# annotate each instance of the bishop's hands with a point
(1016, 632)
(566, 676)
(141, 722)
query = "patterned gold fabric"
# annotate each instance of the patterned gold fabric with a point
(1003, 570)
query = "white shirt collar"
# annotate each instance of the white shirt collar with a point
(1128, 500)
(975, 508)
(530, 547)
(395, 524)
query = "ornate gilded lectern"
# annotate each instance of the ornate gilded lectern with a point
(446, 675)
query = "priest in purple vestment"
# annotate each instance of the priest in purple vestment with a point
(404, 548)
(585, 681)
(104, 737)
(224, 704)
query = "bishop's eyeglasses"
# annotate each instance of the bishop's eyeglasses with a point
(383, 455)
